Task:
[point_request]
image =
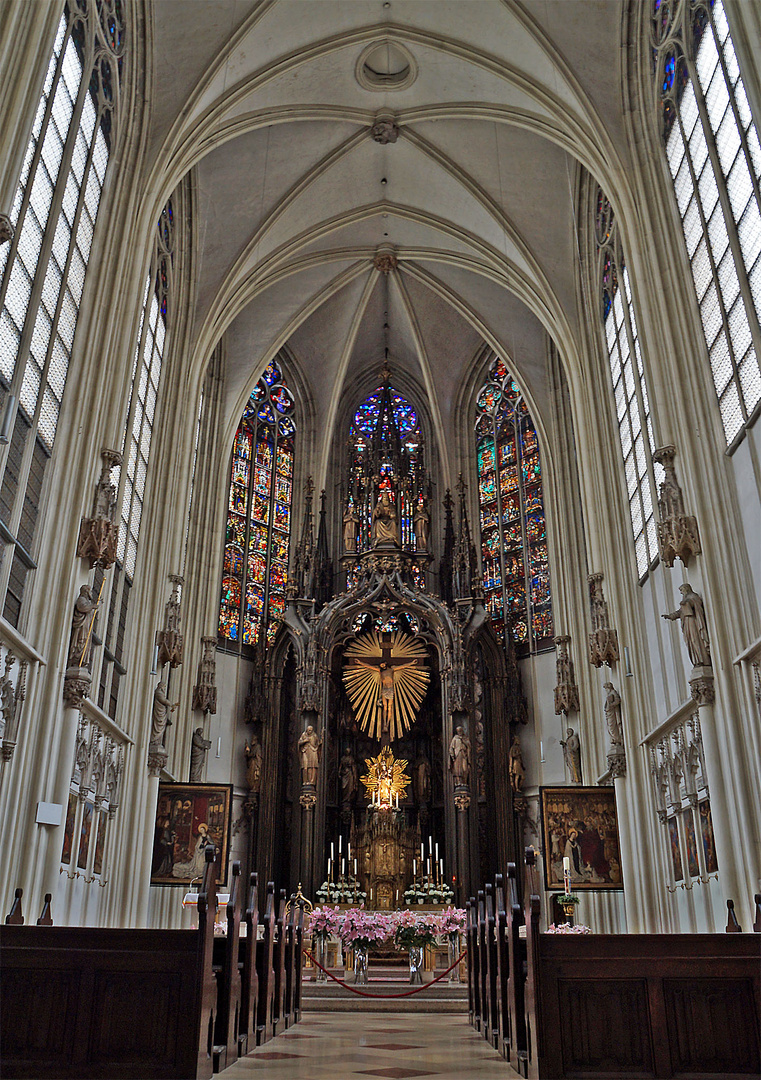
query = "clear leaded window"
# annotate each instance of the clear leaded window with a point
(714, 158)
(627, 375)
(514, 557)
(42, 270)
(257, 544)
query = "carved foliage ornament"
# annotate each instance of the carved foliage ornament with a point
(205, 690)
(677, 767)
(170, 639)
(566, 691)
(99, 534)
(603, 641)
(678, 535)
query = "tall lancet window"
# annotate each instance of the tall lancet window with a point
(714, 157)
(42, 270)
(516, 569)
(258, 537)
(627, 373)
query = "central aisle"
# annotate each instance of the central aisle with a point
(396, 1045)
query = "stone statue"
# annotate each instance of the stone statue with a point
(310, 747)
(517, 770)
(422, 527)
(198, 750)
(351, 520)
(253, 754)
(162, 706)
(385, 529)
(613, 715)
(459, 757)
(572, 754)
(80, 642)
(347, 772)
(691, 614)
(422, 778)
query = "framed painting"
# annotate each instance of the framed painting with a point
(581, 823)
(188, 818)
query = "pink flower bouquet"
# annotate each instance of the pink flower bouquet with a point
(323, 921)
(363, 929)
(452, 921)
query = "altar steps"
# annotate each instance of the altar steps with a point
(443, 997)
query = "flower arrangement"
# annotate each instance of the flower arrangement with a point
(566, 928)
(323, 922)
(452, 921)
(345, 891)
(421, 892)
(363, 929)
(414, 931)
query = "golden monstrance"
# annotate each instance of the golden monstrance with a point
(386, 681)
(386, 781)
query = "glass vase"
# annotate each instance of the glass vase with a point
(416, 963)
(321, 956)
(360, 965)
(454, 952)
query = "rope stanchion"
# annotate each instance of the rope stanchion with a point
(386, 997)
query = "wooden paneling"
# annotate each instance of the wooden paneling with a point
(712, 1026)
(604, 1026)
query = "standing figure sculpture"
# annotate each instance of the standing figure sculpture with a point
(613, 715)
(310, 746)
(351, 520)
(162, 706)
(459, 757)
(516, 767)
(422, 527)
(572, 754)
(254, 765)
(199, 747)
(80, 642)
(347, 773)
(422, 778)
(691, 615)
(385, 528)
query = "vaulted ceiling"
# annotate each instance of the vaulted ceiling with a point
(490, 105)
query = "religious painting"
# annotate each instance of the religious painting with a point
(68, 832)
(692, 845)
(100, 843)
(188, 818)
(706, 833)
(84, 835)
(676, 850)
(581, 823)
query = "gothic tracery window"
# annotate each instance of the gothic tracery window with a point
(42, 270)
(714, 157)
(257, 544)
(627, 375)
(514, 554)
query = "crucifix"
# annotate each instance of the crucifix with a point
(386, 681)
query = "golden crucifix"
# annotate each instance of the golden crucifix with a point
(386, 681)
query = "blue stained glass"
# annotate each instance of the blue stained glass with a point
(272, 374)
(367, 415)
(286, 426)
(266, 413)
(282, 399)
(668, 73)
(404, 415)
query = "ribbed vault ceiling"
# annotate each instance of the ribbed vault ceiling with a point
(295, 199)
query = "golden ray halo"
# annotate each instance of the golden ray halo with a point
(367, 675)
(386, 780)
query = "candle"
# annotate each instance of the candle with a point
(414, 868)
(340, 842)
(567, 874)
(343, 867)
(397, 896)
(328, 869)
(332, 853)
(430, 845)
(348, 849)
(422, 853)
(441, 867)
(437, 853)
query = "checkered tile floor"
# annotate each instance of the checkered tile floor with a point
(399, 1046)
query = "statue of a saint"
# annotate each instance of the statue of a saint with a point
(422, 778)
(162, 706)
(385, 529)
(572, 754)
(459, 757)
(351, 520)
(516, 767)
(613, 715)
(254, 765)
(347, 773)
(422, 527)
(198, 750)
(310, 746)
(80, 642)
(691, 614)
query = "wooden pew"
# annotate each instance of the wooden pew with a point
(503, 967)
(298, 963)
(46, 915)
(279, 1020)
(470, 944)
(482, 975)
(15, 916)
(94, 1003)
(662, 1005)
(516, 981)
(229, 983)
(249, 977)
(264, 966)
(757, 923)
(733, 926)
(290, 960)
(490, 1029)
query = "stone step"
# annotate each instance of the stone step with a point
(443, 997)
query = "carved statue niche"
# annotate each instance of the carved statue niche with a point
(603, 641)
(205, 690)
(349, 777)
(678, 535)
(421, 777)
(99, 534)
(566, 691)
(170, 640)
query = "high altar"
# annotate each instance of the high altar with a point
(376, 651)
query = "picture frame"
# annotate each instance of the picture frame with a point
(581, 822)
(188, 816)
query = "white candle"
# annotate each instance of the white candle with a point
(348, 849)
(437, 853)
(414, 868)
(332, 853)
(343, 867)
(566, 865)
(430, 845)
(340, 842)
(355, 868)
(422, 853)
(441, 867)
(328, 869)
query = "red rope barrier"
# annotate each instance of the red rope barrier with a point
(385, 997)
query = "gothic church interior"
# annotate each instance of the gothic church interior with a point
(381, 375)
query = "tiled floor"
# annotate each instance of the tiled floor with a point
(353, 1044)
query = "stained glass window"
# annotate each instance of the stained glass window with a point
(714, 157)
(627, 374)
(257, 541)
(42, 269)
(514, 559)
